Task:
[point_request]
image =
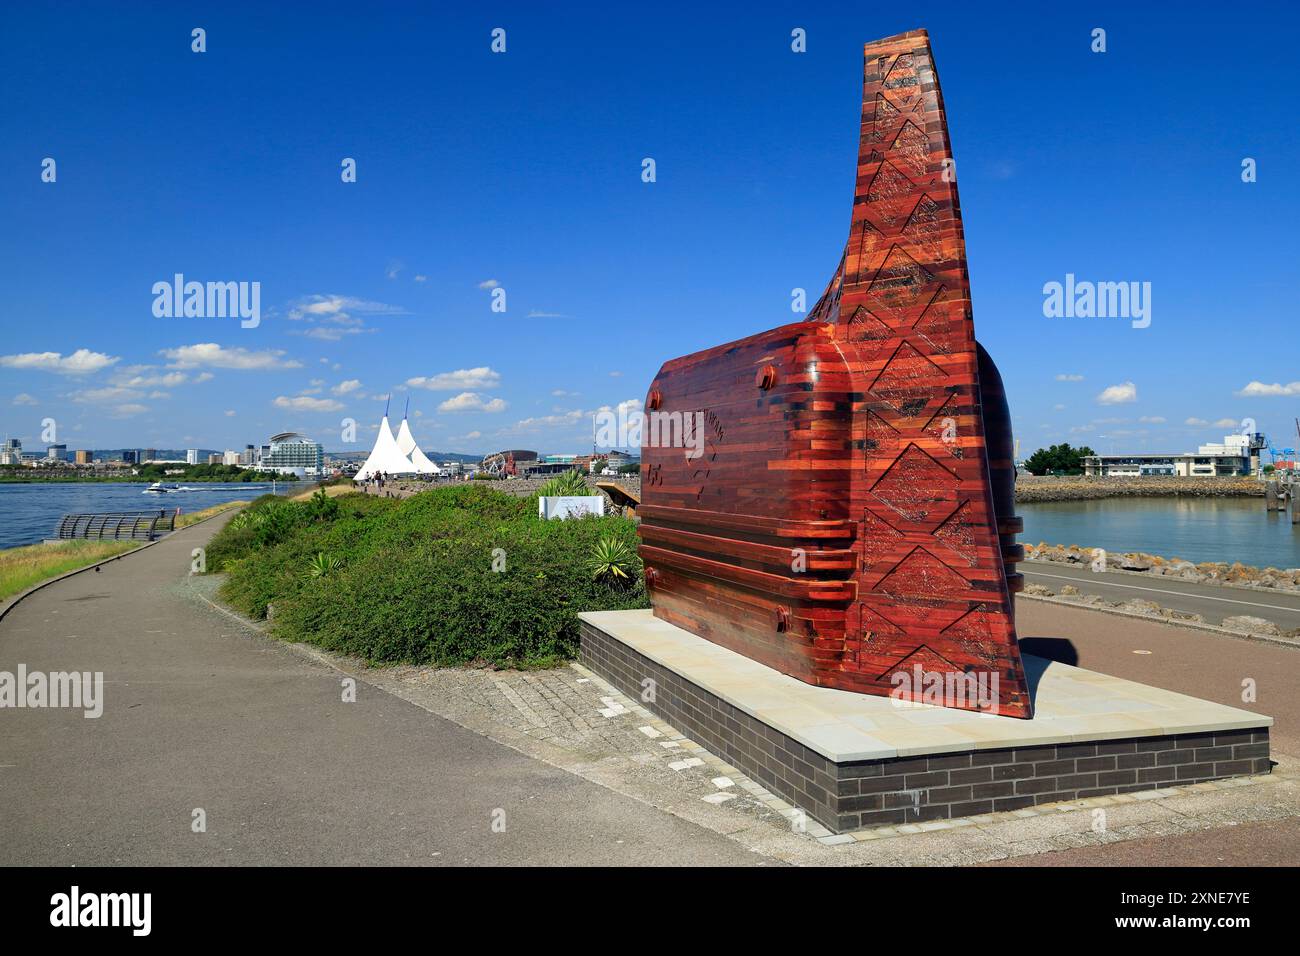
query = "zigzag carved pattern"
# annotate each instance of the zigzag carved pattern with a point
(869, 450)
(903, 288)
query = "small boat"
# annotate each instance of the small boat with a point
(158, 488)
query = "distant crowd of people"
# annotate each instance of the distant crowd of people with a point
(377, 482)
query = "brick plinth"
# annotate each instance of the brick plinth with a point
(856, 794)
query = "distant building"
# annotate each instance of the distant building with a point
(85, 457)
(57, 453)
(191, 456)
(131, 456)
(508, 463)
(1235, 455)
(230, 457)
(291, 453)
(11, 452)
(249, 456)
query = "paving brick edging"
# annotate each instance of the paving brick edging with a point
(849, 796)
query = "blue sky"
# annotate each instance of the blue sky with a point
(524, 169)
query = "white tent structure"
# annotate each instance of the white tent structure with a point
(407, 446)
(385, 457)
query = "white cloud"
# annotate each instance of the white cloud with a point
(1118, 394)
(421, 278)
(1226, 423)
(128, 410)
(79, 362)
(1195, 421)
(332, 316)
(463, 378)
(1261, 390)
(230, 413)
(1058, 408)
(22, 398)
(1069, 377)
(216, 356)
(561, 393)
(331, 333)
(488, 284)
(145, 376)
(343, 388)
(550, 421)
(615, 374)
(625, 407)
(1152, 419)
(305, 403)
(472, 402)
(102, 396)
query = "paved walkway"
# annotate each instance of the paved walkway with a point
(1213, 602)
(198, 714)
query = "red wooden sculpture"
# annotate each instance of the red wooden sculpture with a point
(841, 508)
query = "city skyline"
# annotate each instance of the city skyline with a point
(484, 178)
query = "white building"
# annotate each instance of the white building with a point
(230, 457)
(191, 456)
(1235, 455)
(292, 453)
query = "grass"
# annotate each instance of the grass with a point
(333, 491)
(194, 517)
(462, 574)
(20, 568)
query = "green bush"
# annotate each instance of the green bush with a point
(568, 484)
(421, 580)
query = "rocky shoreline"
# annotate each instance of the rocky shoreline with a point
(1031, 488)
(1154, 565)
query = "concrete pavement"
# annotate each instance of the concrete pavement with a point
(200, 714)
(1202, 664)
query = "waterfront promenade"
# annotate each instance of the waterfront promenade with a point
(1213, 602)
(203, 712)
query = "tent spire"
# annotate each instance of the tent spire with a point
(408, 406)
(386, 401)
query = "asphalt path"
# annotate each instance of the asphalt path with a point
(1213, 601)
(1199, 663)
(201, 715)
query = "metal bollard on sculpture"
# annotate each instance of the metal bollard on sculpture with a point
(841, 506)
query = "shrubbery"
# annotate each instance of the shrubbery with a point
(413, 580)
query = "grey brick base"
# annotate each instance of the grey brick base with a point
(849, 796)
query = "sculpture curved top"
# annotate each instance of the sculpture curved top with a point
(847, 516)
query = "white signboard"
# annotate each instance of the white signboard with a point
(571, 506)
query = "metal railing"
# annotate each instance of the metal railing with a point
(118, 525)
